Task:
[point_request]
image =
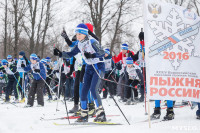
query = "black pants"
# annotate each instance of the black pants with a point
(62, 85)
(11, 86)
(133, 83)
(48, 81)
(76, 87)
(20, 85)
(82, 73)
(36, 87)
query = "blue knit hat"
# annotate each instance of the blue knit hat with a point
(33, 57)
(4, 62)
(82, 29)
(22, 53)
(107, 51)
(124, 46)
(129, 60)
(48, 59)
(9, 57)
(43, 61)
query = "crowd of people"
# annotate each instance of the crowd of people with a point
(80, 75)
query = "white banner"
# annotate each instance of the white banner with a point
(172, 39)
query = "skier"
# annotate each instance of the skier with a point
(93, 56)
(198, 112)
(133, 77)
(78, 64)
(69, 81)
(122, 58)
(38, 72)
(10, 69)
(22, 60)
(3, 81)
(49, 77)
(139, 57)
(109, 66)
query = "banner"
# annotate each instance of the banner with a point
(172, 38)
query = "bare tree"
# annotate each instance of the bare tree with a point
(19, 8)
(5, 28)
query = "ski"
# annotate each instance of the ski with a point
(71, 117)
(88, 123)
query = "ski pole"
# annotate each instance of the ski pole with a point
(144, 77)
(112, 97)
(66, 109)
(61, 61)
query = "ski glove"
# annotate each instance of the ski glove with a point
(37, 70)
(26, 60)
(118, 66)
(64, 35)
(22, 65)
(55, 71)
(130, 54)
(57, 52)
(141, 36)
(88, 55)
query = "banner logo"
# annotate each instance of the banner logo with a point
(154, 9)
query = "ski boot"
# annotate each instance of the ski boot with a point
(16, 101)
(170, 114)
(141, 99)
(198, 114)
(156, 114)
(78, 113)
(6, 101)
(83, 116)
(92, 110)
(74, 109)
(100, 115)
(50, 98)
(128, 102)
(22, 101)
(27, 106)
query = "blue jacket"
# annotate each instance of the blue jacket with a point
(87, 45)
(36, 76)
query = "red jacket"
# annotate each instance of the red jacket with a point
(119, 57)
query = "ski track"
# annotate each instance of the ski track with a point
(27, 120)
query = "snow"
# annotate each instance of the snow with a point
(27, 120)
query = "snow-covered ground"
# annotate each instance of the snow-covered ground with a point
(27, 120)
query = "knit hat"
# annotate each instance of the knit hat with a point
(48, 59)
(9, 57)
(43, 61)
(129, 60)
(90, 26)
(82, 29)
(4, 62)
(124, 46)
(33, 57)
(107, 51)
(22, 53)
